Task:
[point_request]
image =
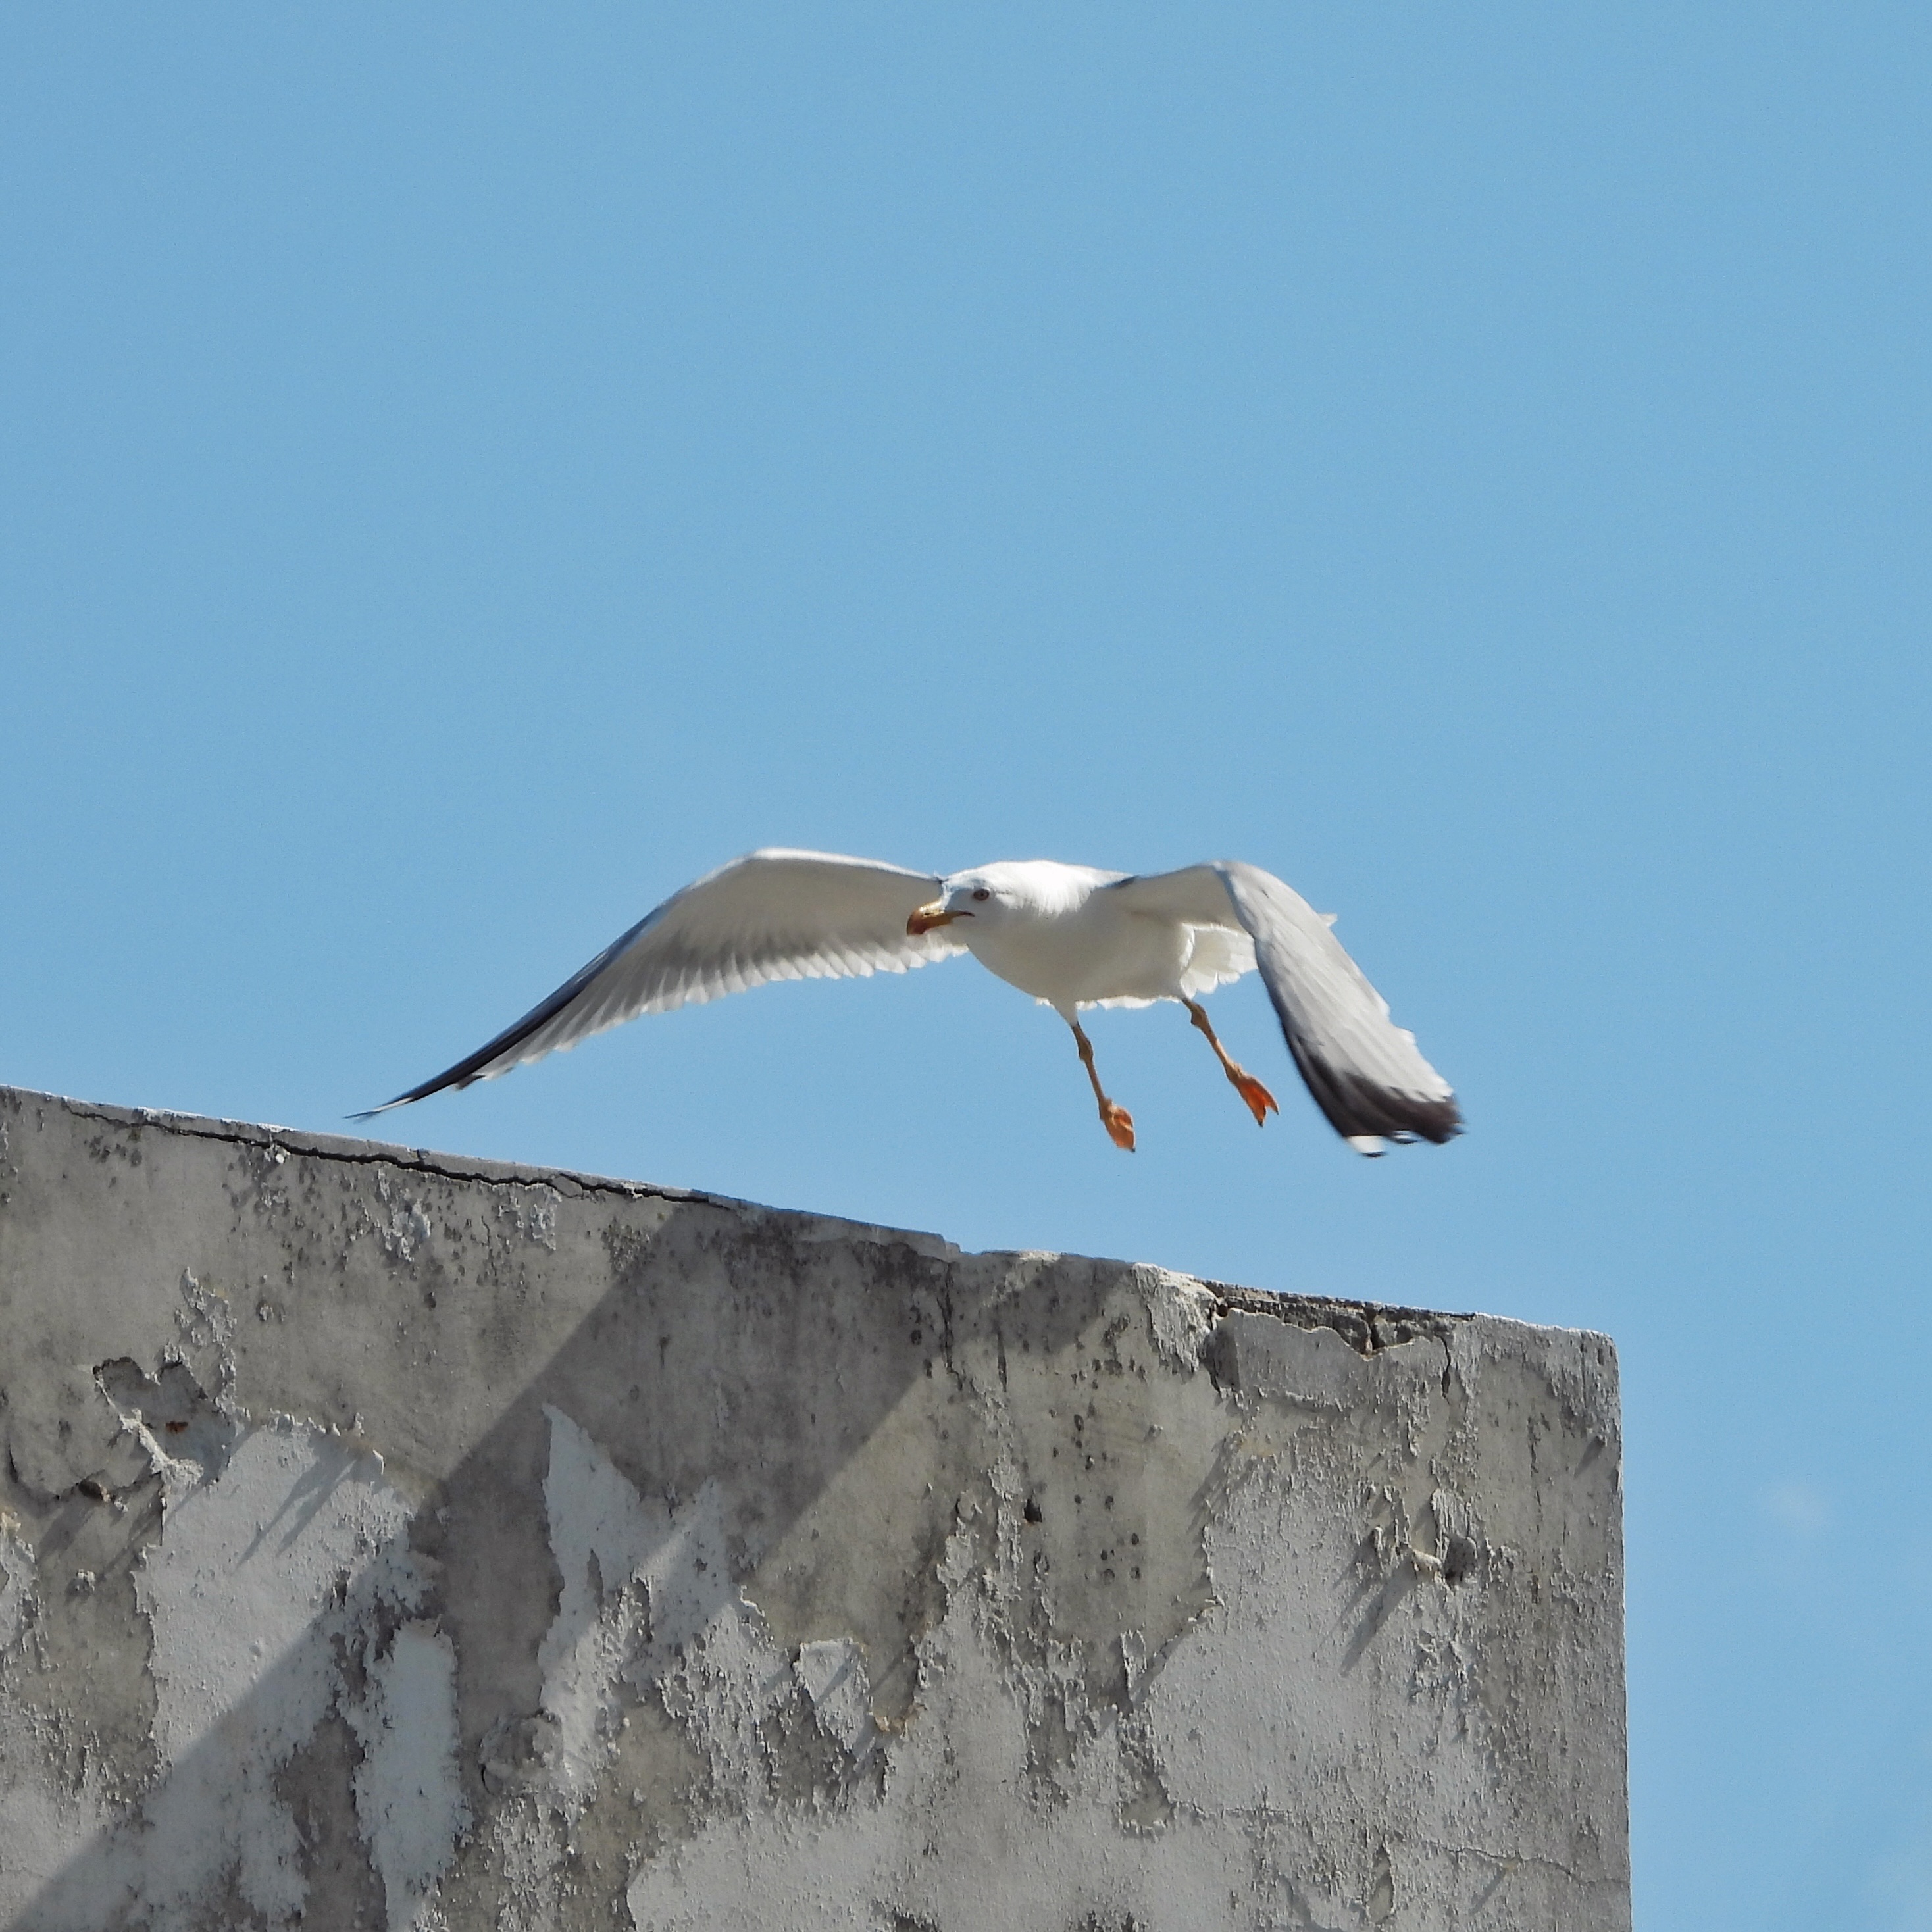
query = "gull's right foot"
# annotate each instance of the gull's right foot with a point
(1119, 1124)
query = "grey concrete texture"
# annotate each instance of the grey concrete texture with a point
(388, 1540)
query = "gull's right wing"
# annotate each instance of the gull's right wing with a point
(772, 915)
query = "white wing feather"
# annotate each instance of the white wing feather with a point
(1365, 1073)
(771, 915)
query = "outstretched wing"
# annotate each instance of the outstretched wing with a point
(771, 915)
(1363, 1070)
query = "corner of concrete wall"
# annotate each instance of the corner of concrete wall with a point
(395, 1540)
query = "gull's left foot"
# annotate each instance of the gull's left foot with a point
(1260, 1101)
(1119, 1124)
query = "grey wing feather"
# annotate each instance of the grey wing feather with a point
(1365, 1073)
(771, 915)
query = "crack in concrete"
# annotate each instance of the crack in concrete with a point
(377, 1153)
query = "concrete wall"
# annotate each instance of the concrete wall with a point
(389, 1539)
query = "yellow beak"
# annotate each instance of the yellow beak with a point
(928, 916)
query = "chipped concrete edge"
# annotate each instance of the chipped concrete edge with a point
(1365, 1325)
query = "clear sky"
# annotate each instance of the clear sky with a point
(464, 472)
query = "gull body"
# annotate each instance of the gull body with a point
(1073, 937)
(1056, 931)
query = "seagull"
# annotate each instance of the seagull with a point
(1071, 936)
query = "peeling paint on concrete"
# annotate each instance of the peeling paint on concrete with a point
(278, 1564)
(389, 1539)
(257, 1576)
(409, 1792)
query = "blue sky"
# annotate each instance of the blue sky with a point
(465, 473)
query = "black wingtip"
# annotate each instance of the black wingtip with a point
(373, 1113)
(1357, 1109)
(462, 1075)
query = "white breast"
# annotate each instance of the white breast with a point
(1095, 953)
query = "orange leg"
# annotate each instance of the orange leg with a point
(1260, 1101)
(1117, 1121)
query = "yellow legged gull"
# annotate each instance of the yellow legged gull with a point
(1069, 935)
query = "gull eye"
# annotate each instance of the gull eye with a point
(981, 892)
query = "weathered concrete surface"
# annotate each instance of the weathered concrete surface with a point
(389, 1539)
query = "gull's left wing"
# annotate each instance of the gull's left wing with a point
(1365, 1071)
(771, 915)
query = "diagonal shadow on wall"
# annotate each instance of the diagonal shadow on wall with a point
(728, 1358)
